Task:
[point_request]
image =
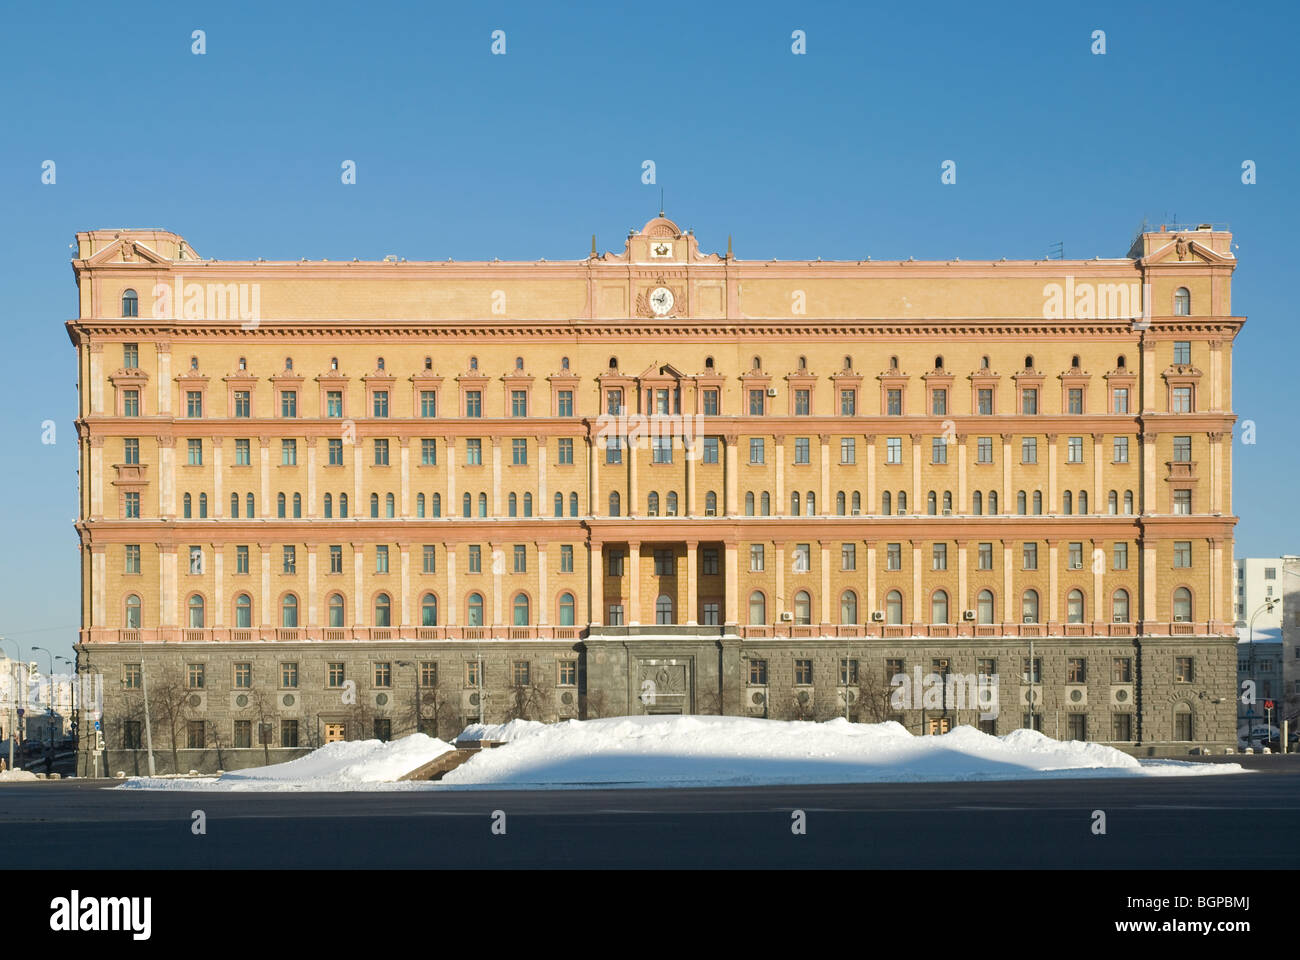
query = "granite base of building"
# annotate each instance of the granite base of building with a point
(228, 706)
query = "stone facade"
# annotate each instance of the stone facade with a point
(660, 466)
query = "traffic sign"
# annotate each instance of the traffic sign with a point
(96, 724)
(1268, 704)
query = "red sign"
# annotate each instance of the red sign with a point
(1268, 704)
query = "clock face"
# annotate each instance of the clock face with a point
(661, 300)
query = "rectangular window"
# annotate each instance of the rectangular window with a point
(1029, 400)
(288, 733)
(756, 403)
(1119, 556)
(130, 403)
(196, 560)
(1038, 670)
(893, 556)
(893, 450)
(518, 403)
(758, 673)
(243, 404)
(243, 672)
(661, 449)
(473, 452)
(521, 558)
(614, 449)
(131, 676)
(428, 403)
(756, 557)
(379, 403)
(288, 403)
(565, 453)
(710, 450)
(1121, 670)
(1028, 449)
(334, 403)
(1182, 553)
(334, 674)
(131, 356)
(381, 453)
(848, 556)
(475, 558)
(289, 675)
(194, 676)
(241, 559)
(613, 402)
(1121, 400)
(894, 402)
(938, 450)
(430, 558)
(664, 566)
(381, 558)
(984, 401)
(289, 559)
(194, 739)
(1030, 556)
(756, 450)
(1182, 400)
(1076, 556)
(1120, 449)
(566, 674)
(848, 403)
(938, 402)
(520, 673)
(1121, 727)
(1076, 670)
(802, 558)
(1182, 449)
(519, 451)
(1182, 352)
(564, 403)
(848, 671)
(802, 403)
(1074, 400)
(132, 558)
(566, 558)
(383, 674)
(709, 562)
(193, 403)
(615, 614)
(1183, 669)
(194, 450)
(1074, 450)
(848, 450)
(288, 453)
(428, 452)
(131, 505)
(985, 555)
(984, 450)
(336, 558)
(616, 563)
(801, 450)
(939, 556)
(243, 452)
(803, 673)
(710, 403)
(473, 403)
(1183, 502)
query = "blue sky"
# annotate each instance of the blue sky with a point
(834, 153)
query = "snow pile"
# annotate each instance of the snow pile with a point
(346, 765)
(13, 776)
(736, 751)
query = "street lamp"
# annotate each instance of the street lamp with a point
(13, 702)
(49, 704)
(72, 706)
(1250, 717)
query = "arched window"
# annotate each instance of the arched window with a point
(664, 609)
(250, 503)
(613, 503)
(848, 607)
(1029, 361)
(329, 506)
(931, 503)
(564, 363)
(243, 612)
(383, 611)
(390, 505)
(429, 611)
(708, 363)
(343, 505)
(1083, 501)
(794, 503)
(902, 502)
(652, 504)
(1119, 606)
(893, 607)
(984, 606)
(297, 506)
(710, 504)
(196, 611)
(757, 607)
(749, 503)
(977, 503)
(130, 303)
(613, 363)
(374, 506)
(419, 505)
(848, 363)
(437, 504)
(1128, 501)
(289, 611)
(1183, 724)
(428, 363)
(1038, 502)
(234, 507)
(132, 612)
(334, 363)
(1182, 605)
(1112, 503)
(841, 504)
(279, 505)
(947, 502)
(1029, 607)
(857, 502)
(939, 607)
(938, 363)
(671, 510)
(519, 363)
(482, 504)
(1021, 503)
(573, 504)
(520, 607)
(803, 363)
(1074, 362)
(186, 507)
(1182, 302)
(993, 503)
(566, 609)
(336, 609)
(886, 505)
(379, 361)
(559, 504)
(1074, 606)
(802, 607)
(203, 506)
(765, 504)
(810, 504)
(1067, 502)
(512, 505)
(288, 363)
(473, 363)
(757, 363)
(467, 505)
(1120, 362)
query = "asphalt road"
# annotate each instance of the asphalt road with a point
(1247, 820)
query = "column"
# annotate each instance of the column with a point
(634, 586)
(1216, 471)
(451, 509)
(495, 508)
(692, 585)
(497, 559)
(1098, 575)
(917, 607)
(873, 499)
(1150, 492)
(405, 443)
(164, 378)
(1008, 603)
(97, 478)
(543, 505)
(595, 584)
(825, 494)
(358, 601)
(264, 567)
(166, 478)
(633, 487)
(593, 478)
(1216, 579)
(732, 568)
(96, 376)
(917, 505)
(779, 599)
(1149, 586)
(218, 585)
(1098, 504)
(98, 575)
(963, 594)
(543, 596)
(781, 507)
(1053, 610)
(691, 453)
(167, 602)
(1007, 504)
(452, 602)
(1052, 502)
(216, 477)
(963, 502)
(733, 478)
(264, 494)
(405, 548)
(826, 580)
(871, 581)
(312, 605)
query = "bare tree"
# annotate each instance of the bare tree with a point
(596, 705)
(873, 695)
(527, 701)
(169, 707)
(262, 706)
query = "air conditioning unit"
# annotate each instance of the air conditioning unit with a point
(968, 614)
(771, 391)
(1028, 620)
(857, 513)
(1180, 619)
(786, 616)
(877, 616)
(947, 511)
(1120, 620)
(902, 511)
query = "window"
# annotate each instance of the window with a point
(473, 452)
(977, 503)
(984, 401)
(1182, 605)
(194, 739)
(131, 308)
(984, 452)
(802, 403)
(132, 612)
(1029, 400)
(519, 610)
(519, 451)
(710, 504)
(130, 403)
(428, 452)
(1076, 556)
(1074, 611)
(894, 402)
(193, 403)
(565, 450)
(566, 610)
(756, 450)
(1121, 727)
(848, 450)
(1074, 400)
(661, 449)
(288, 453)
(1182, 553)
(939, 402)
(194, 676)
(652, 504)
(474, 558)
(131, 505)
(803, 673)
(1182, 308)
(613, 401)
(1120, 398)
(1182, 400)
(757, 608)
(938, 450)
(664, 609)
(518, 403)
(288, 559)
(1183, 502)
(1120, 556)
(1029, 450)
(1030, 556)
(567, 673)
(1119, 608)
(381, 453)
(1029, 606)
(893, 556)
(383, 609)
(1183, 669)
(289, 611)
(848, 556)
(473, 403)
(984, 556)
(802, 558)
(196, 612)
(893, 450)
(757, 668)
(1182, 449)
(709, 451)
(194, 451)
(984, 606)
(939, 607)
(848, 607)
(848, 403)
(710, 403)
(894, 607)
(1120, 449)
(801, 450)
(614, 450)
(1074, 450)
(1128, 501)
(614, 614)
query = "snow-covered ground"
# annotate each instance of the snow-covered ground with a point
(348, 765)
(13, 776)
(694, 751)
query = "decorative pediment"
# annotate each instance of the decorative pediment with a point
(658, 371)
(126, 250)
(1183, 249)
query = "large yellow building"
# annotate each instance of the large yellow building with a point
(340, 499)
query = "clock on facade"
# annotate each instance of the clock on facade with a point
(661, 300)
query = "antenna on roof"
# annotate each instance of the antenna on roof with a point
(661, 201)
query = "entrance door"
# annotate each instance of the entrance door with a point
(334, 732)
(939, 725)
